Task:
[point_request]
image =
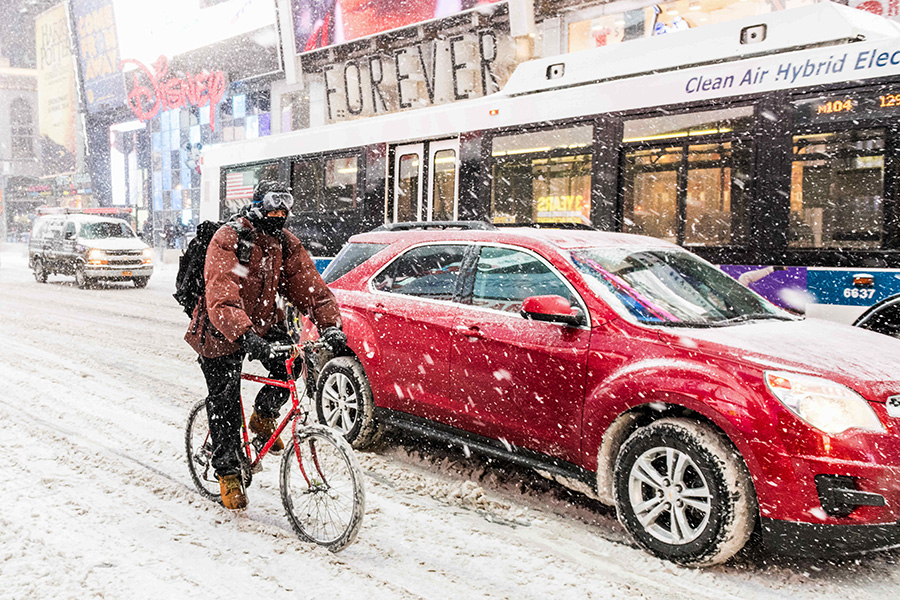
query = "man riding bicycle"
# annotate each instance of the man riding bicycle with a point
(248, 262)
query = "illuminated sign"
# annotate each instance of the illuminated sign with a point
(56, 91)
(835, 106)
(200, 89)
(846, 106)
(98, 53)
(321, 23)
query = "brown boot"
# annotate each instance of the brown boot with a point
(265, 428)
(232, 489)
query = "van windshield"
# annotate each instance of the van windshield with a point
(106, 229)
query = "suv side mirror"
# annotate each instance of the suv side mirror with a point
(554, 309)
(69, 235)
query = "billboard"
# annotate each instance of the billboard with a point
(174, 27)
(321, 23)
(98, 53)
(56, 91)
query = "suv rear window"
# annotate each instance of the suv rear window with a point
(350, 257)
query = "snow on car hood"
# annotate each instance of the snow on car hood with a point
(846, 354)
(114, 243)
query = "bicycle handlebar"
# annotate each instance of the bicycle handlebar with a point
(291, 348)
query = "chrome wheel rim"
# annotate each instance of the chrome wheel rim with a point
(340, 402)
(669, 495)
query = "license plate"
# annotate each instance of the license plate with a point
(126, 273)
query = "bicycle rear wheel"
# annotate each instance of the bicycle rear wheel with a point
(322, 488)
(198, 445)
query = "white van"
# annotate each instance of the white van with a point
(90, 247)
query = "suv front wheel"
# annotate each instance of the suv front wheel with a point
(344, 401)
(684, 493)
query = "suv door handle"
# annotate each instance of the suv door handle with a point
(470, 331)
(377, 308)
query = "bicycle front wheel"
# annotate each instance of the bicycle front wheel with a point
(198, 445)
(322, 488)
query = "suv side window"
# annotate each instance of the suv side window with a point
(425, 272)
(504, 277)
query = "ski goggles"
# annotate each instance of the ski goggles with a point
(277, 201)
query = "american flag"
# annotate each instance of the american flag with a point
(239, 185)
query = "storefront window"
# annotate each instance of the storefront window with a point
(593, 31)
(837, 189)
(542, 177)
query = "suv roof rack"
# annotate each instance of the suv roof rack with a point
(579, 226)
(410, 225)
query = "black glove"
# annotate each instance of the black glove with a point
(256, 347)
(334, 339)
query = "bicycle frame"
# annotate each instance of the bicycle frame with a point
(295, 411)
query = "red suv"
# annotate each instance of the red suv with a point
(631, 370)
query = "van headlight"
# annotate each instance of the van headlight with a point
(822, 403)
(147, 256)
(96, 257)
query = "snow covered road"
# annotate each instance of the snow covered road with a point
(95, 388)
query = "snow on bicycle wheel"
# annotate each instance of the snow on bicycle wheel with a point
(322, 488)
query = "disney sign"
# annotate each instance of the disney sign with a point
(165, 94)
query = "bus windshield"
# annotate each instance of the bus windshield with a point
(106, 229)
(671, 287)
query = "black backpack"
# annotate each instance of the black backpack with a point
(190, 284)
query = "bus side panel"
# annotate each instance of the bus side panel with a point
(375, 193)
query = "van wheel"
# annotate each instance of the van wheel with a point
(344, 402)
(40, 272)
(684, 493)
(140, 282)
(81, 280)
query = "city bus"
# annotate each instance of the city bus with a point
(767, 145)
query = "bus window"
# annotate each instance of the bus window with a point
(305, 185)
(542, 177)
(324, 184)
(651, 192)
(837, 189)
(239, 184)
(726, 120)
(443, 185)
(408, 188)
(708, 203)
(339, 192)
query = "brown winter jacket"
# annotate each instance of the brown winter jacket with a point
(240, 297)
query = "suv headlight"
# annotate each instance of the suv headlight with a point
(822, 403)
(147, 256)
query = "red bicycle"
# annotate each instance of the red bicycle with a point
(321, 483)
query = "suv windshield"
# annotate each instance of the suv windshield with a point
(671, 286)
(106, 229)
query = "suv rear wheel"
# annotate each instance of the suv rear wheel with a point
(684, 493)
(344, 401)
(40, 272)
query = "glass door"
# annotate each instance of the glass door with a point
(443, 182)
(407, 192)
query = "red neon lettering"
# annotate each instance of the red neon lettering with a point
(201, 89)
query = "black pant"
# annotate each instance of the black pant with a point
(223, 404)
